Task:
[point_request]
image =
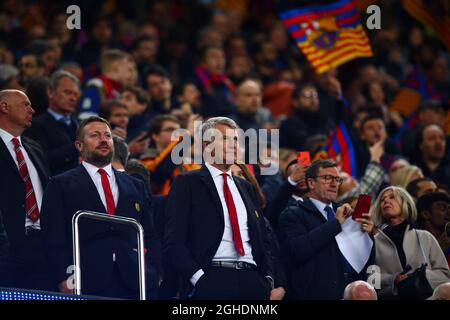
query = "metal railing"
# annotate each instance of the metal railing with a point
(108, 218)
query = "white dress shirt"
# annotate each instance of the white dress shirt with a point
(321, 206)
(226, 250)
(97, 179)
(34, 176)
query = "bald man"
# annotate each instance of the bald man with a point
(442, 292)
(24, 175)
(359, 290)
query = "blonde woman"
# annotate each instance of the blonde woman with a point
(405, 175)
(401, 249)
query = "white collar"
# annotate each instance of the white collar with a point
(320, 205)
(7, 137)
(92, 170)
(216, 172)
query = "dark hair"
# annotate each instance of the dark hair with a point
(413, 186)
(314, 168)
(140, 94)
(425, 202)
(155, 70)
(137, 42)
(210, 47)
(105, 109)
(139, 171)
(430, 105)
(157, 122)
(80, 130)
(120, 150)
(371, 116)
(302, 85)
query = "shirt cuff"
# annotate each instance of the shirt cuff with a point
(292, 182)
(196, 277)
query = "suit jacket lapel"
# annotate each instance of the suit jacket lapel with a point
(211, 187)
(88, 187)
(313, 208)
(36, 162)
(4, 153)
(121, 208)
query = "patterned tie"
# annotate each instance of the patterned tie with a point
(110, 205)
(233, 216)
(31, 207)
(330, 213)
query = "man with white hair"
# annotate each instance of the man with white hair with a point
(360, 290)
(215, 237)
(441, 292)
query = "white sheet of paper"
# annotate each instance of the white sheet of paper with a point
(355, 245)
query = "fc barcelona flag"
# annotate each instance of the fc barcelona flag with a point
(328, 35)
(340, 149)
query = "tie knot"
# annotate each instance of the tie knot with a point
(102, 172)
(15, 142)
(224, 175)
(330, 212)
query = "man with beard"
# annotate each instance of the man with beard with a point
(108, 251)
(431, 144)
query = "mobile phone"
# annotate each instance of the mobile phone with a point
(362, 206)
(304, 158)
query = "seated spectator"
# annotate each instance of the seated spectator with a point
(370, 182)
(55, 129)
(30, 66)
(120, 158)
(117, 114)
(216, 88)
(118, 70)
(418, 187)
(430, 154)
(158, 158)
(372, 131)
(434, 216)
(360, 290)
(305, 121)
(401, 249)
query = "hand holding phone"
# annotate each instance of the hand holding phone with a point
(362, 206)
(304, 158)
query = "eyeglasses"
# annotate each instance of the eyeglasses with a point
(328, 178)
(169, 129)
(310, 95)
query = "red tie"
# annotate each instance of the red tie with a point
(233, 216)
(110, 206)
(30, 198)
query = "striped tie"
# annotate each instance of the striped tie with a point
(30, 198)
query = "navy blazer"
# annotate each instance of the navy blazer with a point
(74, 190)
(12, 191)
(194, 224)
(313, 257)
(57, 141)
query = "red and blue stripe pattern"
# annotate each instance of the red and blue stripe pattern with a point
(328, 35)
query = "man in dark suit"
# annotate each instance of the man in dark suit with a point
(317, 267)
(55, 129)
(24, 175)
(215, 236)
(109, 261)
